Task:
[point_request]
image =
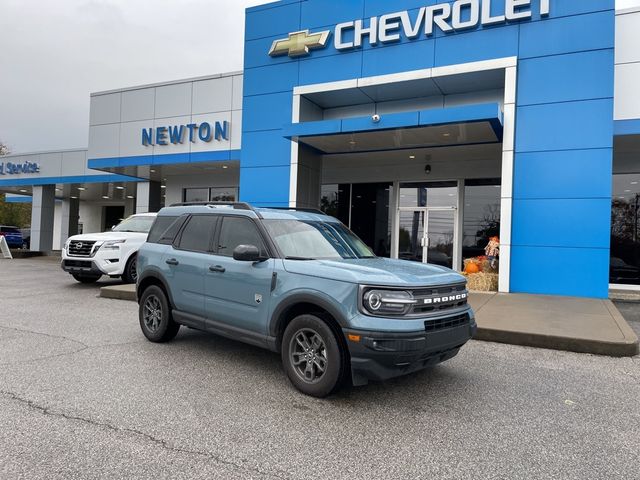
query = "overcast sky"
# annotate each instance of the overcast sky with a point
(54, 53)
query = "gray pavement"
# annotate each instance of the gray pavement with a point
(84, 395)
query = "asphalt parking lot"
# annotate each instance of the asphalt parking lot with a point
(84, 395)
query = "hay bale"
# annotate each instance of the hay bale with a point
(482, 282)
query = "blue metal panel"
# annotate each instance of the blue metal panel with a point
(306, 129)
(565, 126)
(274, 78)
(65, 180)
(18, 199)
(393, 120)
(478, 45)
(393, 58)
(579, 272)
(172, 158)
(266, 112)
(569, 34)
(320, 13)
(266, 6)
(563, 174)
(561, 222)
(264, 185)
(256, 53)
(265, 148)
(563, 78)
(343, 66)
(626, 127)
(467, 113)
(280, 19)
(564, 8)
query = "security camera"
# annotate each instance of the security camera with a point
(375, 118)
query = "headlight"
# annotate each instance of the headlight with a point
(112, 244)
(387, 302)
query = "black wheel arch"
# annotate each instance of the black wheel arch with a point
(153, 278)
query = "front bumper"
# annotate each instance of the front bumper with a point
(382, 355)
(81, 267)
(97, 265)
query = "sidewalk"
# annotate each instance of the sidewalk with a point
(561, 323)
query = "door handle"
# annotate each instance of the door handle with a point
(173, 262)
(217, 269)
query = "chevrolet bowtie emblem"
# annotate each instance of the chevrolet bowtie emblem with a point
(299, 43)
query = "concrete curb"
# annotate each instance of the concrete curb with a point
(120, 292)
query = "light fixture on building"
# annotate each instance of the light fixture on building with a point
(152, 171)
(23, 191)
(163, 186)
(74, 198)
(446, 134)
(225, 166)
(130, 197)
(634, 183)
(427, 169)
(119, 188)
(81, 189)
(412, 157)
(106, 197)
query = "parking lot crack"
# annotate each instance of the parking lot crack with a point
(20, 330)
(239, 465)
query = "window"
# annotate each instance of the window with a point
(302, 240)
(481, 215)
(213, 194)
(238, 231)
(624, 268)
(196, 236)
(138, 224)
(165, 229)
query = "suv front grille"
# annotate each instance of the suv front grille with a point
(449, 322)
(80, 248)
(437, 299)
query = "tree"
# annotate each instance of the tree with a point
(18, 214)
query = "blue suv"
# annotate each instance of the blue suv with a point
(299, 283)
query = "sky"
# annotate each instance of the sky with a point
(53, 54)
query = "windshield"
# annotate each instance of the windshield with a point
(309, 240)
(135, 224)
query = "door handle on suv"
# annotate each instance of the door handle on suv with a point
(173, 262)
(217, 268)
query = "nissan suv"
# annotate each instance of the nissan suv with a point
(301, 284)
(90, 256)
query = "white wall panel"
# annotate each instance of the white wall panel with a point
(215, 95)
(104, 141)
(105, 109)
(184, 147)
(138, 104)
(173, 100)
(627, 98)
(628, 38)
(237, 92)
(131, 139)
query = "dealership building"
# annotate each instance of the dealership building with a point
(427, 127)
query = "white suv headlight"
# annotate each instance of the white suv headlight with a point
(112, 244)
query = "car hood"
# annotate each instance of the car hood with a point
(376, 271)
(106, 236)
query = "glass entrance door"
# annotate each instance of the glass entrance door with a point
(426, 235)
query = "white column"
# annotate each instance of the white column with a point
(129, 207)
(148, 197)
(70, 216)
(42, 215)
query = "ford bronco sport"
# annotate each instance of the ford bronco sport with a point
(298, 282)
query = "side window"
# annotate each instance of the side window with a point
(165, 229)
(238, 231)
(196, 236)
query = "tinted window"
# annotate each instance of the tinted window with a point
(165, 229)
(196, 236)
(238, 231)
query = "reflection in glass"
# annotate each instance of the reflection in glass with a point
(440, 233)
(433, 194)
(624, 267)
(481, 215)
(411, 235)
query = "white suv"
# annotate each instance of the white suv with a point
(90, 256)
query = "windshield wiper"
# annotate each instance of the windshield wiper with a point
(299, 258)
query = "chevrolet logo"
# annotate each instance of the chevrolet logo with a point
(299, 44)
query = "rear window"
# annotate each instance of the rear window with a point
(165, 229)
(9, 230)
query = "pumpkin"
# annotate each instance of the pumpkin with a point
(472, 268)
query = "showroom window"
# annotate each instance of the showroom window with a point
(364, 208)
(481, 215)
(624, 266)
(212, 194)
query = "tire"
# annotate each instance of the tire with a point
(130, 274)
(86, 279)
(155, 316)
(310, 337)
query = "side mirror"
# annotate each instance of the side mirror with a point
(247, 253)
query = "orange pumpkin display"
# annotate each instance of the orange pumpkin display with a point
(472, 268)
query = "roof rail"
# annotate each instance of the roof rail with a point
(297, 209)
(234, 205)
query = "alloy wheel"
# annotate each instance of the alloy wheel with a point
(308, 355)
(152, 313)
